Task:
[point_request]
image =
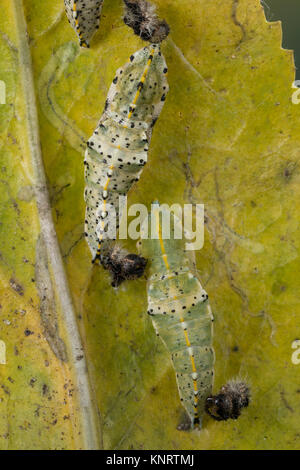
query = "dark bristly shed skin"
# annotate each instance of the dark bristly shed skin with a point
(228, 404)
(141, 17)
(122, 265)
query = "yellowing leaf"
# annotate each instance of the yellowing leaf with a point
(45, 398)
(228, 137)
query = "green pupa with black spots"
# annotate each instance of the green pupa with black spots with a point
(118, 149)
(84, 16)
(179, 309)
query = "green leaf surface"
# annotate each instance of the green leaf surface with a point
(228, 137)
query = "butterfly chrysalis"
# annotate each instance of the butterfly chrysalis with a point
(228, 404)
(180, 311)
(117, 151)
(84, 16)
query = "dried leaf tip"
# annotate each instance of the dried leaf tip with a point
(141, 17)
(228, 404)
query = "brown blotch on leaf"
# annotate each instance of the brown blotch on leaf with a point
(16, 287)
(27, 332)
